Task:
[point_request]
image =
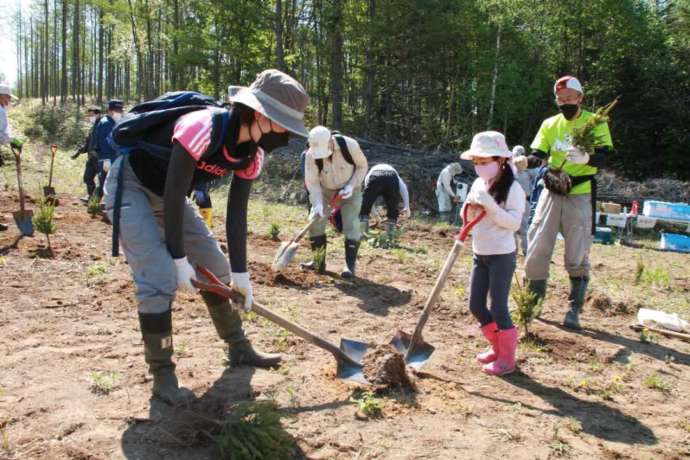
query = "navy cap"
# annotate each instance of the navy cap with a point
(115, 104)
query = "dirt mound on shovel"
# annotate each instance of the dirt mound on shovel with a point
(385, 367)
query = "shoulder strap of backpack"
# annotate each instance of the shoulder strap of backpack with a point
(342, 143)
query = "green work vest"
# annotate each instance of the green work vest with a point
(554, 138)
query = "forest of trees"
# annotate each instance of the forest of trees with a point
(423, 73)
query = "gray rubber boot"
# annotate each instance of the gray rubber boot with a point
(351, 248)
(576, 300)
(158, 350)
(228, 323)
(318, 248)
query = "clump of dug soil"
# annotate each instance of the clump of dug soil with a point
(603, 303)
(385, 367)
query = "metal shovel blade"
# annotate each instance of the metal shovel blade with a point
(418, 355)
(350, 371)
(286, 252)
(24, 222)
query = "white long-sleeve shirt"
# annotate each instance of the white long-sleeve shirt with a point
(446, 176)
(404, 194)
(495, 233)
(5, 131)
(337, 171)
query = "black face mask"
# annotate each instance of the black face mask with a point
(271, 141)
(568, 110)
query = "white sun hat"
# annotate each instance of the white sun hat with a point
(487, 144)
(319, 138)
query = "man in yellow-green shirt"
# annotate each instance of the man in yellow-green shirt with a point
(566, 206)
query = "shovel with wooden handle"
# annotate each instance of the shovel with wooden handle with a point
(286, 251)
(349, 364)
(22, 217)
(48, 191)
(417, 352)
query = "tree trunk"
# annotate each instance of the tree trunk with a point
(492, 101)
(280, 52)
(337, 64)
(63, 83)
(99, 77)
(75, 53)
(137, 49)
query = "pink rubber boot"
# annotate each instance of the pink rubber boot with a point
(490, 333)
(507, 346)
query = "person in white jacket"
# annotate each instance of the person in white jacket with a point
(5, 130)
(494, 247)
(445, 193)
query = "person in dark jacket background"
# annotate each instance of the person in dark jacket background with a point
(105, 152)
(89, 147)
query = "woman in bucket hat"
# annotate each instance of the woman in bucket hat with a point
(493, 244)
(163, 235)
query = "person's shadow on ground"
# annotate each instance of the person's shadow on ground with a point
(653, 350)
(597, 419)
(373, 297)
(187, 431)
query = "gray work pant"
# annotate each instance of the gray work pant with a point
(572, 216)
(349, 210)
(143, 241)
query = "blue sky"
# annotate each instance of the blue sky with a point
(8, 46)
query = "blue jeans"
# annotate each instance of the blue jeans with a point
(492, 275)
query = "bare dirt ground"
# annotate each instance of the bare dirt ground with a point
(599, 393)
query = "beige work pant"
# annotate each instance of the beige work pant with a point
(570, 215)
(349, 211)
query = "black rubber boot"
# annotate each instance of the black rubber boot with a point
(318, 248)
(228, 323)
(156, 330)
(351, 248)
(576, 300)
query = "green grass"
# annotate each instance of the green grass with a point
(103, 383)
(95, 274)
(254, 431)
(368, 404)
(655, 382)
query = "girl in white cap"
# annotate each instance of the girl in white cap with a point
(493, 244)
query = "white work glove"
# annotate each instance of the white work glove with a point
(241, 284)
(105, 165)
(520, 162)
(317, 210)
(185, 273)
(577, 156)
(485, 200)
(346, 192)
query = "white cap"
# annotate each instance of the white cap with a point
(487, 144)
(518, 150)
(5, 89)
(568, 82)
(319, 138)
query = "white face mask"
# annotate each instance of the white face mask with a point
(116, 116)
(92, 119)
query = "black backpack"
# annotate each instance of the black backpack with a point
(134, 131)
(343, 149)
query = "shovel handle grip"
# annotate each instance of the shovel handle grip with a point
(467, 227)
(218, 287)
(53, 149)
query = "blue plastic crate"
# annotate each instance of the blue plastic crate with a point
(664, 210)
(675, 242)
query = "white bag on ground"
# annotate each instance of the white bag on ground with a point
(660, 319)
